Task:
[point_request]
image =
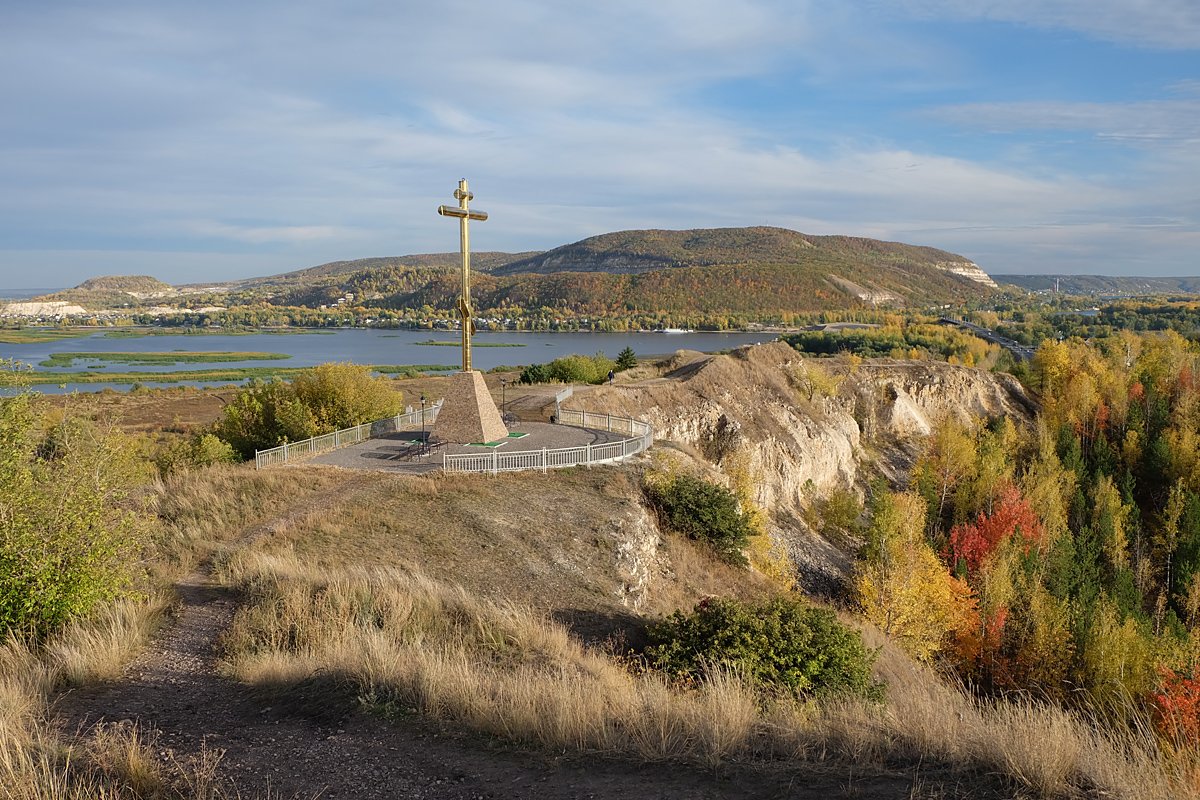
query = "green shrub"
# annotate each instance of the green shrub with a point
(704, 511)
(780, 644)
(319, 400)
(262, 415)
(626, 359)
(344, 395)
(535, 373)
(570, 369)
(69, 538)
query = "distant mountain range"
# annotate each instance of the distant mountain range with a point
(748, 272)
(1102, 285)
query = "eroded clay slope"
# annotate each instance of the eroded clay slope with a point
(804, 427)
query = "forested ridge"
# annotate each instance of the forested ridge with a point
(1064, 559)
(712, 278)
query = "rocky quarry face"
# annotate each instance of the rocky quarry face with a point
(968, 269)
(804, 427)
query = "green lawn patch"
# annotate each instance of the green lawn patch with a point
(215, 375)
(161, 359)
(516, 434)
(34, 335)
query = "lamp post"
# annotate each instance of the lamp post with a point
(503, 392)
(424, 441)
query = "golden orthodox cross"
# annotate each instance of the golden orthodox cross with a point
(464, 216)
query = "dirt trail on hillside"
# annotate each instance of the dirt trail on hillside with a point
(303, 742)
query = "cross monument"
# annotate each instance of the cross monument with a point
(464, 215)
(468, 414)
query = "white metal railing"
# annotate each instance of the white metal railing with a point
(331, 441)
(640, 434)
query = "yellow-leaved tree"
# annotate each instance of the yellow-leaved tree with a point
(902, 585)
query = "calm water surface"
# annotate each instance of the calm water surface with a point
(366, 346)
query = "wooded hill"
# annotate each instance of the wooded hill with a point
(743, 271)
(750, 273)
(126, 283)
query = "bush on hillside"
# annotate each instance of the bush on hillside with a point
(319, 400)
(198, 450)
(780, 644)
(704, 511)
(570, 369)
(344, 395)
(69, 539)
(262, 415)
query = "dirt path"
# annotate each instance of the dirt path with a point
(303, 744)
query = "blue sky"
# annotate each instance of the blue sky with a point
(198, 141)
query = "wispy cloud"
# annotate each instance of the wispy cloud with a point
(1173, 24)
(290, 234)
(1151, 121)
(307, 132)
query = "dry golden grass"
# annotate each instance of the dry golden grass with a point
(415, 645)
(110, 762)
(97, 649)
(202, 511)
(122, 753)
(554, 544)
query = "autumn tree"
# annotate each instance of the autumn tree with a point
(948, 461)
(902, 586)
(344, 395)
(972, 543)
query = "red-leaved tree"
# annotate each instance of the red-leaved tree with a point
(1177, 707)
(972, 543)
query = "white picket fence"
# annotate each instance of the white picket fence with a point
(331, 441)
(640, 434)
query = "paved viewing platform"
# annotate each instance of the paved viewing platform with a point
(404, 450)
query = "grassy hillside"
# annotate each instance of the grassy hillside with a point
(497, 621)
(114, 291)
(644, 250)
(756, 272)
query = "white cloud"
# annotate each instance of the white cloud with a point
(321, 131)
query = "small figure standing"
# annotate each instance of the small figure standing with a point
(611, 375)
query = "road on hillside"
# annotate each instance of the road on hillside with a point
(1020, 352)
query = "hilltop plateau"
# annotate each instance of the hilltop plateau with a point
(558, 572)
(362, 633)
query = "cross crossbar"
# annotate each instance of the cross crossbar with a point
(451, 211)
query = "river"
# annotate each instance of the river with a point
(363, 346)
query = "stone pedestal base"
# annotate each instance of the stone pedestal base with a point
(469, 413)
